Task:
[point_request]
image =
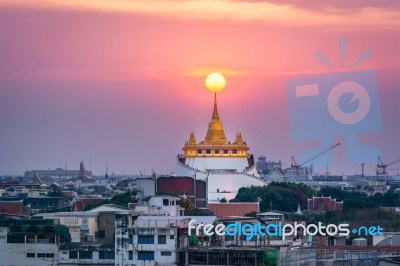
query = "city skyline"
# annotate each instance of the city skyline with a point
(122, 83)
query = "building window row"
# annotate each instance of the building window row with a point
(145, 255)
(73, 254)
(45, 255)
(166, 253)
(217, 151)
(86, 255)
(221, 170)
(145, 239)
(107, 255)
(31, 239)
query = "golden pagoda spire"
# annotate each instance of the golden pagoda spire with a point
(192, 139)
(239, 139)
(215, 112)
(215, 133)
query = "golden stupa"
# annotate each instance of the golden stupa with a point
(215, 143)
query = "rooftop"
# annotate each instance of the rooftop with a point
(224, 210)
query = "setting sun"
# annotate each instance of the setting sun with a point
(215, 82)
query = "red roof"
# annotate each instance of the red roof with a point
(14, 208)
(224, 210)
(324, 204)
(81, 204)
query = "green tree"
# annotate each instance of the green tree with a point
(277, 196)
(122, 199)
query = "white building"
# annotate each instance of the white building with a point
(152, 240)
(76, 254)
(276, 175)
(160, 205)
(147, 240)
(29, 244)
(88, 226)
(224, 165)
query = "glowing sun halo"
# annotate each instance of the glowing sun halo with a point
(215, 82)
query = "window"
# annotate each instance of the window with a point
(101, 234)
(15, 238)
(199, 151)
(130, 239)
(106, 255)
(216, 152)
(45, 255)
(73, 254)
(85, 255)
(30, 239)
(145, 239)
(145, 255)
(208, 151)
(30, 255)
(130, 255)
(226, 151)
(166, 253)
(165, 202)
(171, 237)
(45, 239)
(162, 239)
(234, 151)
(172, 202)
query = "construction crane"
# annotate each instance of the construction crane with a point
(381, 166)
(297, 166)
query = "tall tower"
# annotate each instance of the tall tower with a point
(81, 170)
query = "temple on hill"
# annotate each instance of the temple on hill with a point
(225, 166)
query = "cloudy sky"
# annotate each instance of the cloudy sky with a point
(122, 82)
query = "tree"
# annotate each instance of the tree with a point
(122, 199)
(277, 196)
